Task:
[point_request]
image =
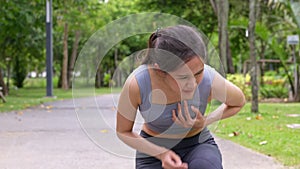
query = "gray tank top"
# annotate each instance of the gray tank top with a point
(158, 117)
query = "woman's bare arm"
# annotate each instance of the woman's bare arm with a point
(127, 108)
(230, 95)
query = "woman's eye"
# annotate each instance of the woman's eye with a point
(184, 77)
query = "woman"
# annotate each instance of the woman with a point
(171, 90)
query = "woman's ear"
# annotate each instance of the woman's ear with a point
(156, 66)
(160, 72)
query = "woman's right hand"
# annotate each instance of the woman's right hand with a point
(170, 160)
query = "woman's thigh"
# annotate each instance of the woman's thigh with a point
(148, 163)
(204, 156)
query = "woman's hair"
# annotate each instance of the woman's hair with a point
(173, 46)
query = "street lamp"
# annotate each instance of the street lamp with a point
(49, 50)
(293, 40)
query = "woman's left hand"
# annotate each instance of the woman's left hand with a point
(188, 122)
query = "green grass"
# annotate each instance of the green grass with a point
(282, 143)
(28, 97)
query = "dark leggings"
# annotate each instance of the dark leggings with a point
(197, 155)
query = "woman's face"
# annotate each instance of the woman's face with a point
(186, 78)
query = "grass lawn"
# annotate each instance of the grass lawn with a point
(28, 97)
(267, 131)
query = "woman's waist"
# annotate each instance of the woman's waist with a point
(171, 135)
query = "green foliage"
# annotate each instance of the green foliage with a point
(22, 36)
(274, 85)
(271, 91)
(107, 79)
(23, 28)
(241, 81)
(199, 13)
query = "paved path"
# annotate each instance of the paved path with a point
(51, 137)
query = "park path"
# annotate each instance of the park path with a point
(50, 137)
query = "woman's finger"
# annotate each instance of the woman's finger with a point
(197, 111)
(200, 120)
(180, 116)
(186, 111)
(175, 119)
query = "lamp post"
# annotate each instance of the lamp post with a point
(293, 40)
(49, 49)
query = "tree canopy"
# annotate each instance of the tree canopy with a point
(22, 35)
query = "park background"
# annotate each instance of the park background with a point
(251, 37)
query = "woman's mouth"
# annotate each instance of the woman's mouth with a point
(188, 90)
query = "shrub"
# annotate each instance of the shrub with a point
(241, 81)
(274, 86)
(271, 91)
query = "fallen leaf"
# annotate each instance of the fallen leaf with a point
(230, 135)
(293, 126)
(20, 113)
(263, 142)
(248, 118)
(259, 117)
(104, 131)
(49, 107)
(235, 133)
(293, 115)
(250, 135)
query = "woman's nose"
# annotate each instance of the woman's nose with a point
(191, 82)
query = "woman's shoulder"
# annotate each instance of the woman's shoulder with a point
(131, 88)
(209, 74)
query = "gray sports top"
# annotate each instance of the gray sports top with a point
(158, 117)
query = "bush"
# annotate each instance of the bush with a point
(243, 82)
(271, 91)
(274, 86)
(106, 79)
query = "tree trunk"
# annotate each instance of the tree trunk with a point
(73, 57)
(254, 84)
(228, 56)
(8, 78)
(263, 64)
(118, 75)
(2, 84)
(222, 8)
(64, 72)
(98, 78)
(296, 75)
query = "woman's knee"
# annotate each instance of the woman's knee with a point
(205, 164)
(204, 157)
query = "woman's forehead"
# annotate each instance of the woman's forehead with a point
(192, 66)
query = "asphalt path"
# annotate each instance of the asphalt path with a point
(79, 134)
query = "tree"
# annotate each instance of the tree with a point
(221, 9)
(21, 36)
(76, 20)
(254, 84)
